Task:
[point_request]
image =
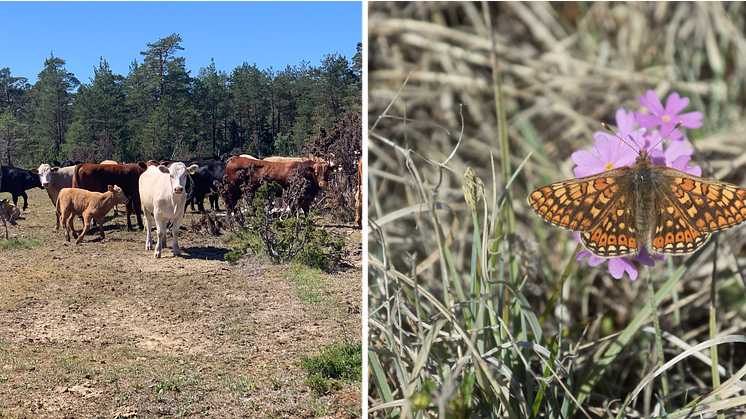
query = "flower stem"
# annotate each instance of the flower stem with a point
(658, 340)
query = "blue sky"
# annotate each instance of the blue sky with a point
(273, 34)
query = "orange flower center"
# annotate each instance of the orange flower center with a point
(666, 118)
(609, 165)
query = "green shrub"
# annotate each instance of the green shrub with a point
(333, 366)
(283, 240)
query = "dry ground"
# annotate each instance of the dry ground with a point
(104, 330)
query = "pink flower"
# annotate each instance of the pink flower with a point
(610, 152)
(676, 150)
(669, 116)
(618, 266)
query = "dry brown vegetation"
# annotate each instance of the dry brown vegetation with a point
(104, 330)
(563, 68)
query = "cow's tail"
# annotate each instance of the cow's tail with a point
(76, 177)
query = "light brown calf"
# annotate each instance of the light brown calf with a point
(11, 210)
(90, 205)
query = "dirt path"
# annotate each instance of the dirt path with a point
(104, 330)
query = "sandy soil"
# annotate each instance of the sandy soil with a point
(102, 329)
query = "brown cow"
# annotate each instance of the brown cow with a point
(90, 205)
(116, 207)
(97, 178)
(281, 172)
(359, 194)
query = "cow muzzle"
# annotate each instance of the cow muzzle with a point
(178, 190)
(45, 185)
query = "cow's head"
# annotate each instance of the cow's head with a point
(321, 172)
(45, 174)
(119, 197)
(178, 173)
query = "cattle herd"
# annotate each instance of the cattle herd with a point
(161, 189)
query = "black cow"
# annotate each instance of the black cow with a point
(203, 178)
(68, 162)
(16, 181)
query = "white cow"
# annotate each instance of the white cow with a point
(53, 179)
(163, 198)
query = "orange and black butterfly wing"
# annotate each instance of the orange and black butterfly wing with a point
(598, 206)
(615, 236)
(691, 208)
(577, 204)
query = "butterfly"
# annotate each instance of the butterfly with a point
(620, 211)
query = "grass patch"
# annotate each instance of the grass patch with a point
(237, 329)
(239, 385)
(335, 365)
(312, 285)
(18, 243)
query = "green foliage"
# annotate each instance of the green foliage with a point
(18, 243)
(311, 285)
(248, 242)
(159, 110)
(334, 365)
(295, 238)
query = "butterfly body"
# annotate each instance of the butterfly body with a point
(622, 210)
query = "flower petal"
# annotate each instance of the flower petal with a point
(652, 102)
(675, 104)
(644, 257)
(625, 122)
(691, 119)
(647, 121)
(587, 163)
(618, 266)
(680, 163)
(675, 149)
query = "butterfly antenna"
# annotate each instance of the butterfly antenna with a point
(669, 133)
(608, 128)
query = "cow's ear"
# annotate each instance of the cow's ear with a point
(55, 169)
(111, 188)
(193, 168)
(163, 168)
(142, 165)
(34, 171)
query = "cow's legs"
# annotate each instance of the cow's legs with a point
(101, 228)
(25, 200)
(175, 232)
(86, 227)
(65, 225)
(71, 225)
(160, 225)
(149, 225)
(214, 203)
(127, 211)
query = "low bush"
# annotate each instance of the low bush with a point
(284, 239)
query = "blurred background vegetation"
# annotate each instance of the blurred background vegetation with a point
(467, 309)
(161, 111)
